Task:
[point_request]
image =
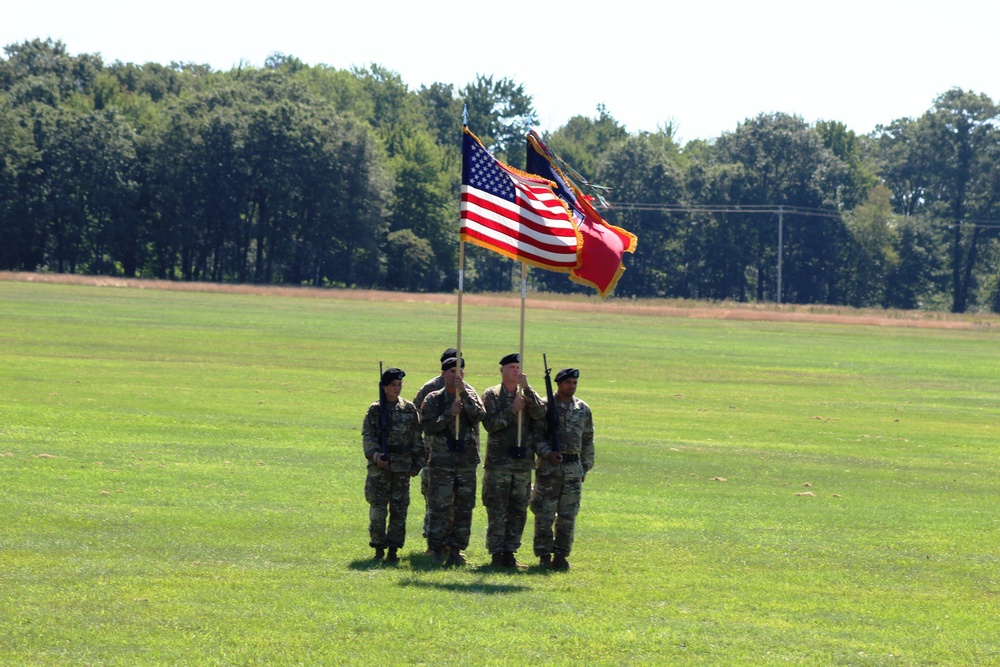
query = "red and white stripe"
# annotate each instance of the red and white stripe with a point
(536, 228)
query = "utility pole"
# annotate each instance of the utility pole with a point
(781, 211)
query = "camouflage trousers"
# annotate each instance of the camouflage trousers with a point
(425, 478)
(452, 496)
(555, 501)
(505, 495)
(388, 494)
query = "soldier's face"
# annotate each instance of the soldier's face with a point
(567, 387)
(510, 372)
(393, 389)
(452, 375)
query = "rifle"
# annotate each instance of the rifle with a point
(551, 416)
(383, 418)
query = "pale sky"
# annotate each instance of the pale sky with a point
(703, 66)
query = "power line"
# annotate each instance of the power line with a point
(769, 209)
(780, 210)
(988, 224)
(772, 209)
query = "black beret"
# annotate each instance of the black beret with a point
(450, 353)
(567, 373)
(450, 363)
(514, 358)
(390, 375)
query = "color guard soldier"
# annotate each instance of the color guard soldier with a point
(435, 383)
(509, 459)
(559, 476)
(452, 459)
(390, 464)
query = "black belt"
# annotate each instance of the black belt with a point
(517, 452)
(570, 458)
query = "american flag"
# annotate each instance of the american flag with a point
(514, 213)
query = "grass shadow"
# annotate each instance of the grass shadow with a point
(420, 563)
(523, 571)
(363, 564)
(424, 563)
(467, 587)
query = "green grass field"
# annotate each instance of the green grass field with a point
(181, 483)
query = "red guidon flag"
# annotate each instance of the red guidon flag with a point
(602, 245)
(514, 213)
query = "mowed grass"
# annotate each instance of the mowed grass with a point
(181, 482)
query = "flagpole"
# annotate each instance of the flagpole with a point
(461, 277)
(524, 291)
(458, 345)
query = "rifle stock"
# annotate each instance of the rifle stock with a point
(551, 417)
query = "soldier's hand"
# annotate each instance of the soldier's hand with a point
(522, 381)
(555, 458)
(456, 407)
(517, 403)
(382, 462)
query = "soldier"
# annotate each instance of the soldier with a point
(452, 461)
(559, 475)
(387, 486)
(509, 460)
(435, 383)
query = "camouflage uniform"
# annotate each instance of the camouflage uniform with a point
(387, 489)
(418, 400)
(507, 471)
(556, 495)
(452, 484)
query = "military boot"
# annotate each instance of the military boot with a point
(560, 563)
(393, 557)
(438, 557)
(545, 560)
(379, 553)
(497, 560)
(510, 560)
(456, 558)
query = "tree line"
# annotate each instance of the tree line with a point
(305, 174)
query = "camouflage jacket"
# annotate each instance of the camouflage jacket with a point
(576, 438)
(406, 442)
(431, 385)
(501, 428)
(443, 450)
